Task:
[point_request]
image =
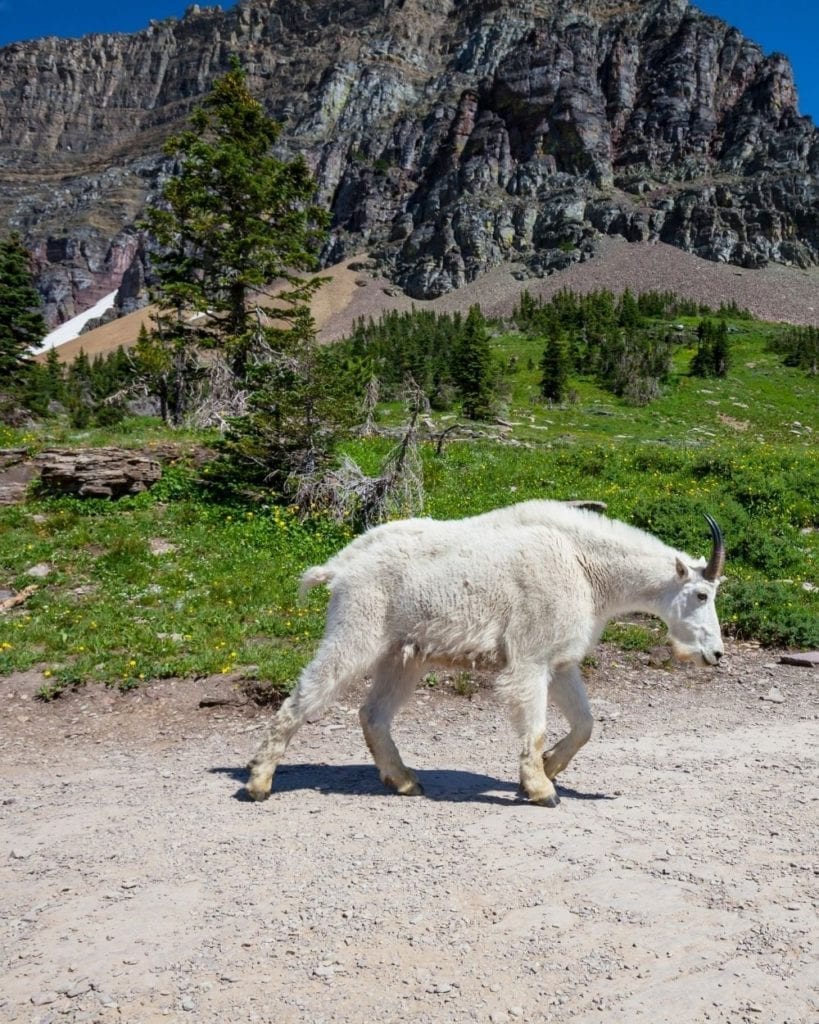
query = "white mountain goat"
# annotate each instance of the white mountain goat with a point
(524, 591)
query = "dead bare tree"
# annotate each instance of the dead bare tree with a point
(348, 494)
(222, 395)
(371, 394)
(441, 437)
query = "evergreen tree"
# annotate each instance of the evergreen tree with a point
(713, 355)
(800, 346)
(169, 370)
(21, 323)
(473, 369)
(55, 376)
(299, 405)
(702, 363)
(554, 364)
(233, 219)
(720, 350)
(628, 312)
(634, 366)
(80, 391)
(32, 389)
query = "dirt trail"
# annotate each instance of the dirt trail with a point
(676, 882)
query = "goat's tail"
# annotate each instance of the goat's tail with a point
(313, 577)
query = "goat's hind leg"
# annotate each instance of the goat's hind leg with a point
(393, 683)
(569, 694)
(326, 675)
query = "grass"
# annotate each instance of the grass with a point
(222, 595)
(132, 432)
(759, 399)
(221, 599)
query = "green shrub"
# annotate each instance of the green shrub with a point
(631, 637)
(775, 614)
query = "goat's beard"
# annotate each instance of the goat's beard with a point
(687, 654)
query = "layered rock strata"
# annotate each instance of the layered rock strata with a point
(446, 136)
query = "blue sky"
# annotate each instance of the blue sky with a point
(790, 26)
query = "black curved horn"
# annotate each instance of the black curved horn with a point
(594, 506)
(716, 563)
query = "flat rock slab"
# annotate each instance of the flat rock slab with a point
(97, 472)
(809, 659)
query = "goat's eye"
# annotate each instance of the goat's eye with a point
(702, 597)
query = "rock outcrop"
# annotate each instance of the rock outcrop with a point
(446, 135)
(16, 473)
(97, 472)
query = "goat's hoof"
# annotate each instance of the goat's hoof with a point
(552, 800)
(259, 789)
(412, 789)
(257, 794)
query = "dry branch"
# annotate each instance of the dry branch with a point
(15, 599)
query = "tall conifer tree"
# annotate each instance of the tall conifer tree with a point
(233, 219)
(21, 322)
(554, 365)
(473, 368)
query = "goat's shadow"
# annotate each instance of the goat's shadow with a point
(447, 784)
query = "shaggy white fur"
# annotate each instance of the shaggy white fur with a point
(524, 591)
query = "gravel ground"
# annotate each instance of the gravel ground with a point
(772, 293)
(676, 882)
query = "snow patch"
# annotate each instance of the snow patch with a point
(71, 328)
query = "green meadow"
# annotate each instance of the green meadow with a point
(177, 584)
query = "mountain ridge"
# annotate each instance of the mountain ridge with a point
(445, 138)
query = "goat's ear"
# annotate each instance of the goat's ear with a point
(683, 572)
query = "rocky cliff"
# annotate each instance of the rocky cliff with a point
(446, 135)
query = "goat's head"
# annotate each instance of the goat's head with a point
(691, 615)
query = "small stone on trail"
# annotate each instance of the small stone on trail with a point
(774, 696)
(187, 1003)
(659, 656)
(44, 998)
(806, 659)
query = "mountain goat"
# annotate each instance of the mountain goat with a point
(524, 591)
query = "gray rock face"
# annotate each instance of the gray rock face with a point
(446, 137)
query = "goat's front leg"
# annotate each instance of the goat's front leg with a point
(569, 694)
(524, 690)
